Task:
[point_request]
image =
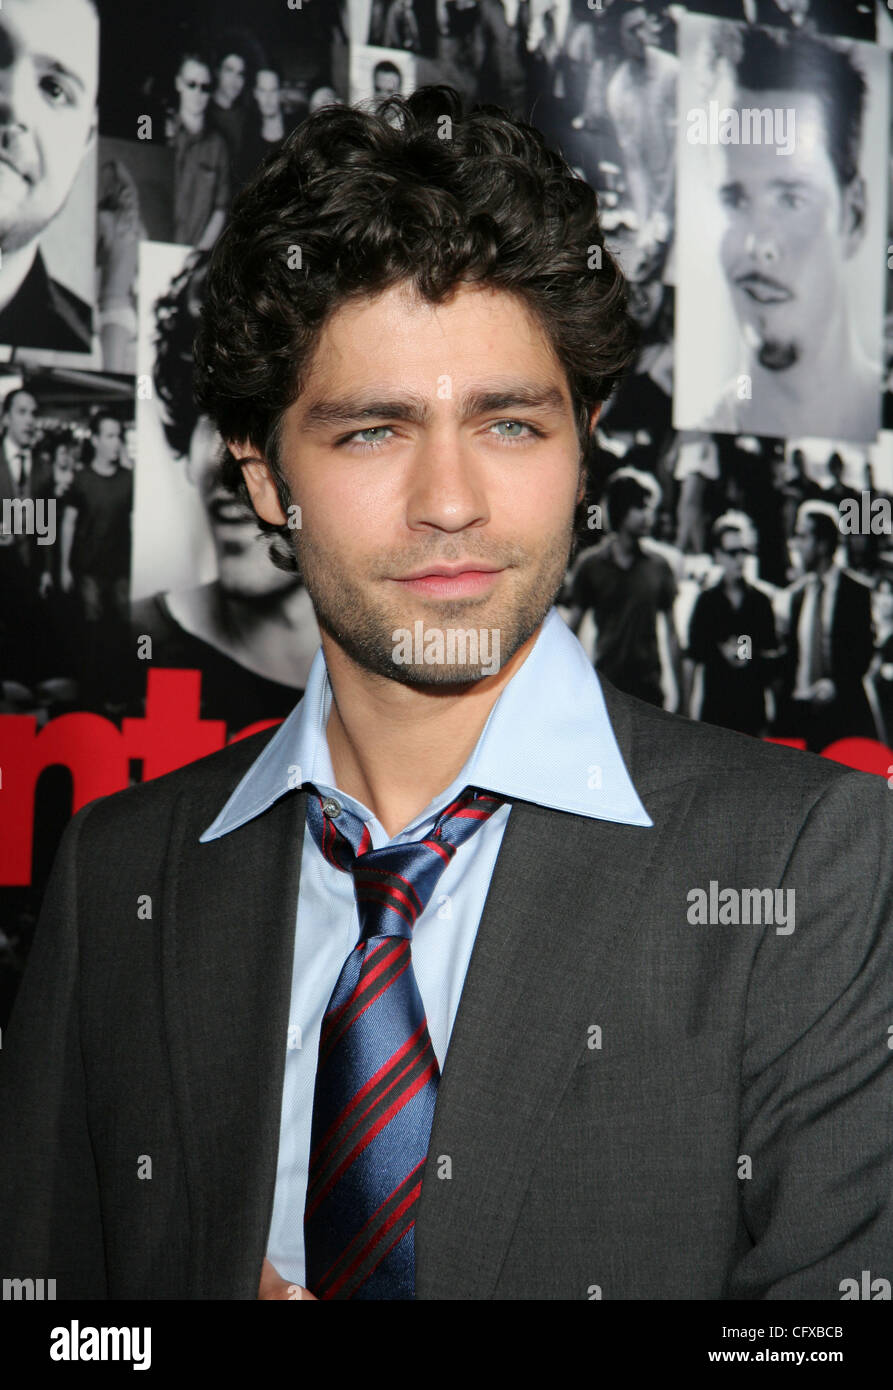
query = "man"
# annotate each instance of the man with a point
(18, 416)
(21, 559)
(641, 101)
(266, 128)
(95, 562)
(630, 592)
(49, 57)
(251, 630)
(226, 110)
(201, 159)
(830, 639)
(609, 1065)
(795, 212)
(387, 80)
(731, 638)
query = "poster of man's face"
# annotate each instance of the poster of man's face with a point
(781, 217)
(49, 59)
(379, 73)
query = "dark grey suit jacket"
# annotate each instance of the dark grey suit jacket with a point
(726, 1134)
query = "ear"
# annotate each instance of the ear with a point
(259, 482)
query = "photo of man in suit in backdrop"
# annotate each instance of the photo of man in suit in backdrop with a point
(49, 57)
(830, 639)
(429, 992)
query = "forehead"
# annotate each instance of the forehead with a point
(192, 68)
(234, 62)
(64, 32)
(413, 337)
(797, 118)
(266, 80)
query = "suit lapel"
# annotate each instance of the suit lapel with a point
(543, 962)
(229, 929)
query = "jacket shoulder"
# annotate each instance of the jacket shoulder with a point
(145, 810)
(661, 749)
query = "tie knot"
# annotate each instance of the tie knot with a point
(393, 885)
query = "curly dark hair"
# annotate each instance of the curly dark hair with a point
(421, 191)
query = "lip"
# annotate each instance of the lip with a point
(763, 291)
(450, 571)
(448, 581)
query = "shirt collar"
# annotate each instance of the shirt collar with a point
(548, 739)
(12, 449)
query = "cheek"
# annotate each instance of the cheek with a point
(730, 243)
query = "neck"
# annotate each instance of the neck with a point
(626, 544)
(272, 127)
(194, 124)
(395, 747)
(105, 467)
(16, 265)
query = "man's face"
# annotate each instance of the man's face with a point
(789, 231)
(639, 520)
(231, 76)
(412, 448)
(49, 69)
(386, 84)
(21, 419)
(193, 83)
(266, 93)
(731, 554)
(107, 441)
(244, 567)
(635, 34)
(806, 544)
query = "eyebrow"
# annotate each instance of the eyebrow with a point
(44, 60)
(773, 183)
(415, 410)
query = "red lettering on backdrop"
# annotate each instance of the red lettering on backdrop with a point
(97, 754)
(171, 734)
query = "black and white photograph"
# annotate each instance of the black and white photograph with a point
(410, 25)
(206, 588)
(49, 57)
(782, 214)
(853, 19)
(379, 73)
(66, 481)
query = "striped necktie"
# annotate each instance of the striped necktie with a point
(377, 1075)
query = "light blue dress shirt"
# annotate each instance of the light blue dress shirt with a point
(547, 739)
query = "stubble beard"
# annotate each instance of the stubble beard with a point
(363, 624)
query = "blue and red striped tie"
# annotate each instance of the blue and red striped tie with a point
(377, 1075)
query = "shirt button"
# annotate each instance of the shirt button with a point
(331, 807)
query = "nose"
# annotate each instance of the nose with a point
(446, 488)
(762, 247)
